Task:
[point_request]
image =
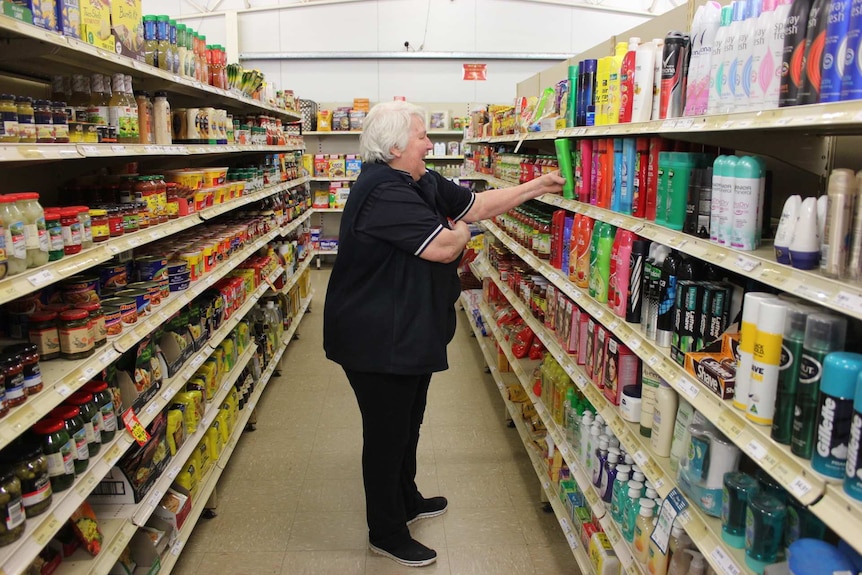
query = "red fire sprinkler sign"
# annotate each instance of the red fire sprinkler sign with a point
(475, 72)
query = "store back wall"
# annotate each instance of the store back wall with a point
(467, 26)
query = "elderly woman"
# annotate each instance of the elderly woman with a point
(389, 311)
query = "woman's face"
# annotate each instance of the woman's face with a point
(412, 158)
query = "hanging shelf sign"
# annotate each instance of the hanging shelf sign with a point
(475, 72)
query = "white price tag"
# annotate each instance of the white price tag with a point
(152, 408)
(168, 394)
(744, 123)
(617, 222)
(582, 381)
(746, 264)
(197, 361)
(658, 484)
(688, 387)
(113, 249)
(90, 150)
(640, 457)
(546, 485)
(781, 122)
(725, 563)
(108, 356)
(177, 547)
(175, 470)
(756, 449)
(685, 123)
(849, 301)
(42, 278)
(63, 390)
(119, 150)
(564, 523)
(811, 292)
(799, 486)
(155, 498)
(561, 133)
(653, 360)
(668, 125)
(155, 234)
(727, 125)
(634, 344)
(135, 241)
(89, 373)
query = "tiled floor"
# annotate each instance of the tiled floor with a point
(291, 499)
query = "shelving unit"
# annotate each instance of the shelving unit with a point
(45, 152)
(502, 380)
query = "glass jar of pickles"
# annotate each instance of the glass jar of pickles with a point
(26, 120)
(8, 119)
(11, 508)
(74, 425)
(74, 332)
(104, 400)
(30, 466)
(92, 418)
(58, 448)
(44, 335)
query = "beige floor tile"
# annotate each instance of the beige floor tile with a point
(239, 531)
(244, 563)
(380, 565)
(553, 559)
(489, 526)
(338, 562)
(524, 487)
(259, 495)
(540, 528)
(325, 495)
(338, 440)
(475, 491)
(455, 414)
(335, 465)
(491, 560)
(268, 461)
(328, 531)
(188, 561)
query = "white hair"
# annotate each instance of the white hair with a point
(387, 126)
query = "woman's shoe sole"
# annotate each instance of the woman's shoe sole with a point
(404, 562)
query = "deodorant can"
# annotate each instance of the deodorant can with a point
(637, 260)
(747, 336)
(835, 412)
(788, 371)
(824, 333)
(673, 69)
(853, 470)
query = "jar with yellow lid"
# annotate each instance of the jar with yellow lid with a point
(8, 119)
(99, 225)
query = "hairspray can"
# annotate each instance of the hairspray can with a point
(841, 370)
(634, 297)
(824, 333)
(572, 97)
(835, 243)
(835, 50)
(747, 337)
(588, 88)
(673, 67)
(766, 361)
(815, 39)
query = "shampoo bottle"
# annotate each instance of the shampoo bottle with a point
(584, 170)
(786, 227)
(629, 174)
(835, 50)
(805, 245)
(747, 337)
(649, 390)
(583, 247)
(627, 80)
(563, 147)
(624, 240)
(603, 263)
(634, 295)
(835, 243)
(766, 361)
(572, 97)
(643, 82)
(824, 333)
(835, 412)
(643, 528)
(617, 175)
(615, 84)
(664, 415)
(655, 111)
(640, 178)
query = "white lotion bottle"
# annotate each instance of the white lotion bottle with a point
(664, 418)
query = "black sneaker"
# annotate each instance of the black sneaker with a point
(430, 508)
(411, 554)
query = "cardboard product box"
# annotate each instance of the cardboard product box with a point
(329, 244)
(361, 104)
(321, 166)
(588, 529)
(550, 307)
(715, 365)
(352, 166)
(584, 337)
(43, 12)
(622, 368)
(17, 11)
(127, 26)
(337, 168)
(599, 349)
(357, 117)
(341, 120)
(715, 313)
(689, 304)
(602, 555)
(69, 18)
(96, 24)
(308, 163)
(139, 375)
(573, 328)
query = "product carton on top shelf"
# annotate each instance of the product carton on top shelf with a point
(69, 18)
(715, 365)
(96, 24)
(128, 28)
(16, 11)
(42, 12)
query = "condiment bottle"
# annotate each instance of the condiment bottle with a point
(61, 122)
(162, 119)
(42, 332)
(163, 42)
(8, 119)
(145, 118)
(131, 111)
(86, 226)
(26, 121)
(100, 100)
(44, 121)
(13, 377)
(29, 354)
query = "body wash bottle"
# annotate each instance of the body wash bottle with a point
(618, 496)
(643, 528)
(664, 417)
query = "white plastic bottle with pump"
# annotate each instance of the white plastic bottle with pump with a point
(656, 87)
(643, 529)
(744, 45)
(703, 31)
(717, 72)
(664, 418)
(645, 57)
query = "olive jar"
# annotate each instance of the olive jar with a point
(30, 466)
(104, 400)
(92, 417)
(11, 508)
(58, 448)
(74, 424)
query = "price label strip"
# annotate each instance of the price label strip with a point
(133, 424)
(673, 505)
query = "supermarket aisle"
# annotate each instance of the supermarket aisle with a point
(291, 499)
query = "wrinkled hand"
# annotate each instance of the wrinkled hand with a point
(551, 183)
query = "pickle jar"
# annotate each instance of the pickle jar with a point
(58, 447)
(92, 417)
(55, 235)
(29, 354)
(97, 323)
(104, 400)
(11, 508)
(74, 424)
(8, 119)
(30, 466)
(86, 226)
(13, 375)
(74, 331)
(26, 121)
(44, 121)
(44, 335)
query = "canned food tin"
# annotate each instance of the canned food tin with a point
(151, 268)
(141, 298)
(113, 320)
(113, 276)
(128, 309)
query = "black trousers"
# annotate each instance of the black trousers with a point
(392, 408)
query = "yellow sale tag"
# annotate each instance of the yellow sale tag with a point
(133, 424)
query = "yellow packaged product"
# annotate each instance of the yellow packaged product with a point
(189, 478)
(204, 455)
(176, 432)
(229, 353)
(190, 414)
(231, 404)
(96, 24)
(225, 426)
(215, 361)
(243, 337)
(197, 383)
(208, 371)
(213, 440)
(197, 397)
